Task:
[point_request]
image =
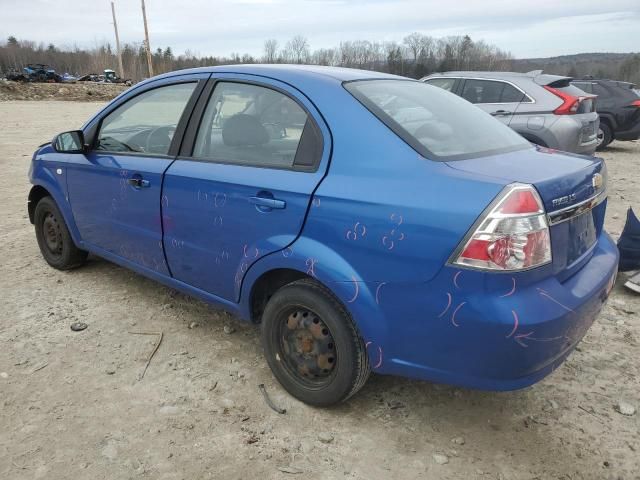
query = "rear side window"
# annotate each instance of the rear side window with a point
(482, 91)
(492, 91)
(444, 83)
(253, 125)
(584, 86)
(147, 122)
(511, 94)
(437, 124)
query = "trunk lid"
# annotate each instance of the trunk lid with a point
(565, 182)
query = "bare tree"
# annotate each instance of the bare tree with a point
(270, 51)
(298, 49)
(414, 42)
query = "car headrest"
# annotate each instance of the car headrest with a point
(244, 130)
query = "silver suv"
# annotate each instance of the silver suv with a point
(545, 109)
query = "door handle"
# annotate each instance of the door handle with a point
(264, 204)
(138, 182)
(500, 113)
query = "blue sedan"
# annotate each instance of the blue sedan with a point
(368, 222)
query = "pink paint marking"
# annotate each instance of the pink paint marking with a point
(512, 291)
(447, 307)
(366, 345)
(378, 292)
(287, 252)
(453, 317)
(219, 200)
(311, 264)
(379, 364)
(387, 243)
(546, 295)
(355, 295)
(397, 219)
(516, 322)
(518, 338)
(455, 279)
(316, 202)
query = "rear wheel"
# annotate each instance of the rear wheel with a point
(54, 239)
(312, 345)
(605, 136)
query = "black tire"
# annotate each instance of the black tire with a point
(54, 240)
(336, 367)
(605, 136)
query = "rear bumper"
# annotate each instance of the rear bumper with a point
(575, 133)
(494, 331)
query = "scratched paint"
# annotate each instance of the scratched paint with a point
(446, 309)
(516, 322)
(455, 280)
(512, 291)
(357, 290)
(391, 238)
(455, 312)
(378, 288)
(547, 295)
(287, 252)
(311, 266)
(357, 231)
(380, 355)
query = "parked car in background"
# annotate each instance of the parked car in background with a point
(545, 109)
(618, 107)
(366, 221)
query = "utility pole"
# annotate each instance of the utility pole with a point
(146, 36)
(115, 27)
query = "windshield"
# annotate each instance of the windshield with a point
(436, 123)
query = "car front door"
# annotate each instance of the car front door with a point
(115, 189)
(252, 156)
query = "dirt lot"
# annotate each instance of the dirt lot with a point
(72, 404)
(81, 91)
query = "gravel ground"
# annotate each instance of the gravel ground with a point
(72, 405)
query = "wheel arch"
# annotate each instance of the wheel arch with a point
(308, 258)
(37, 193)
(41, 189)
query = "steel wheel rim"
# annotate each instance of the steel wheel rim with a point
(307, 349)
(52, 234)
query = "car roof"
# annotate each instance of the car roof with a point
(535, 75)
(290, 73)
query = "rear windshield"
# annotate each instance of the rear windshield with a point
(436, 123)
(588, 104)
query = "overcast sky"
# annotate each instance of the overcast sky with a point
(526, 28)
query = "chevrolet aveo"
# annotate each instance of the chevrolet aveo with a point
(368, 222)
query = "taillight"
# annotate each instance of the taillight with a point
(635, 103)
(570, 103)
(512, 234)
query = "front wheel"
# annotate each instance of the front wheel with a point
(54, 239)
(312, 346)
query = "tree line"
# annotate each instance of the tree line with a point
(415, 56)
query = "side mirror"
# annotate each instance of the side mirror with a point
(69, 142)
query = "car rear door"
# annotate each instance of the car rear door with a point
(115, 189)
(252, 156)
(497, 98)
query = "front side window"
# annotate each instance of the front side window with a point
(147, 122)
(251, 125)
(438, 124)
(444, 83)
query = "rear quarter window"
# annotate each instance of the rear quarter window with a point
(436, 123)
